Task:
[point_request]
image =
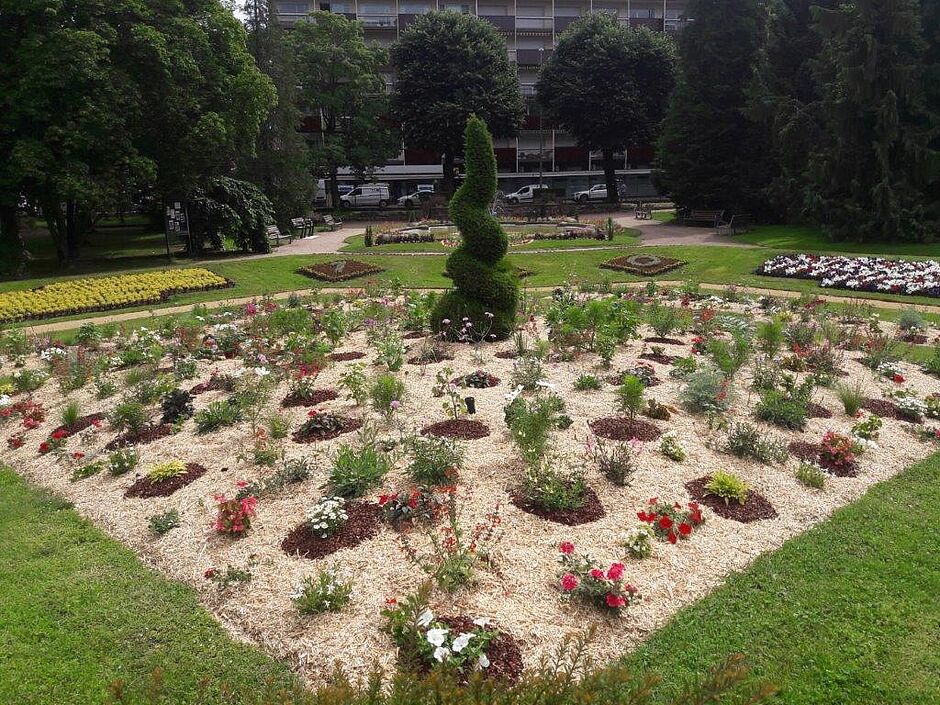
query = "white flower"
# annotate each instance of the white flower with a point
(483, 662)
(441, 653)
(483, 621)
(5, 400)
(424, 619)
(460, 643)
(437, 636)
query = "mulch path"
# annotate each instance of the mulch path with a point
(621, 428)
(144, 487)
(591, 510)
(348, 426)
(363, 524)
(344, 356)
(818, 411)
(503, 652)
(881, 407)
(315, 398)
(462, 429)
(142, 437)
(79, 425)
(755, 508)
(664, 341)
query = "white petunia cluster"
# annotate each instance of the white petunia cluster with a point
(327, 516)
(920, 278)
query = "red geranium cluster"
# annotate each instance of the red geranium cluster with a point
(55, 441)
(30, 412)
(581, 577)
(235, 513)
(671, 522)
(423, 504)
(837, 452)
(698, 345)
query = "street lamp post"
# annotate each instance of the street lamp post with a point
(541, 132)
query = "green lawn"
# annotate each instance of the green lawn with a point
(846, 614)
(796, 238)
(624, 237)
(78, 610)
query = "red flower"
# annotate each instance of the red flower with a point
(566, 547)
(210, 573)
(672, 537)
(78, 455)
(391, 601)
(615, 572)
(615, 601)
(312, 413)
(597, 573)
(898, 378)
(569, 582)
(665, 523)
(44, 447)
(685, 529)
(59, 434)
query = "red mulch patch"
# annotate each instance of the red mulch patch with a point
(881, 407)
(503, 652)
(430, 357)
(80, 424)
(344, 356)
(462, 429)
(506, 355)
(315, 398)
(643, 264)
(217, 383)
(664, 341)
(144, 487)
(491, 381)
(755, 508)
(817, 411)
(620, 428)
(810, 452)
(917, 338)
(415, 335)
(661, 359)
(143, 437)
(348, 426)
(363, 523)
(339, 270)
(591, 510)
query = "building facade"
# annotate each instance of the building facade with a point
(539, 153)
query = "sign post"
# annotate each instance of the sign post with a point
(177, 221)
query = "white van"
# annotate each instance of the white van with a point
(526, 194)
(366, 196)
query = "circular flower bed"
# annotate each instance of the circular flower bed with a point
(463, 429)
(621, 428)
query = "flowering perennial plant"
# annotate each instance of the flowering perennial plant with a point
(421, 504)
(638, 541)
(327, 516)
(327, 592)
(234, 513)
(671, 522)
(582, 577)
(837, 452)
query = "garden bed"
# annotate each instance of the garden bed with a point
(314, 398)
(363, 524)
(643, 265)
(462, 429)
(591, 510)
(332, 426)
(339, 270)
(146, 435)
(755, 508)
(145, 488)
(621, 428)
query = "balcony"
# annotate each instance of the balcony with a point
(378, 21)
(527, 89)
(532, 57)
(676, 24)
(504, 23)
(535, 25)
(562, 23)
(653, 23)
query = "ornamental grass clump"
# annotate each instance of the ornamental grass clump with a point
(484, 280)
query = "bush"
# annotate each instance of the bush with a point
(728, 487)
(545, 487)
(355, 472)
(527, 372)
(630, 395)
(121, 462)
(531, 424)
(586, 383)
(745, 441)
(811, 475)
(129, 416)
(729, 356)
(325, 593)
(176, 405)
(670, 447)
(614, 460)
(435, 461)
(706, 391)
(229, 208)
(70, 413)
(770, 336)
(163, 523)
(384, 390)
(218, 414)
(911, 321)
(782, 409)
(327, 516)
(662, 319)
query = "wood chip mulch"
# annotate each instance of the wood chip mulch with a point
(591, 510)
(363, 524)
(617, 379)
(811, 453)
(503, 652)
(663, 341)
(345, 356)
(461, 429)
(142, 437)
(881, 407)
(755, 508)
(430, 358)
(79, 425)
(818, 411)
(621, 428)
(214, 384)
(348, 426)
(315, 398)
(144, 487)
(506, 355)
(661, 359)
(490, 381)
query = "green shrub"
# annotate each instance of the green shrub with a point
(770, 336)
(129, 416)
(325, 593)
(729, 356)
(811, 475)
(70, 413)
(586, 383)
(531, 424)
(728, 487)
(218, 414)
(663, 319)
(356, 471)
(161, 524)
(87, 470)
(434, 461)
(549, 489)
(630, 395)
(782, 409)
(706, 391)
(911, 321)
(167, 470)
(932, 365)
(122, 461)
(384, 390)
(745, 441)
(176, 405)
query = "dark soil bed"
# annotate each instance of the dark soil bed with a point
(643, 264)
(661, 359)
(140, 438)
(349, 425)
(217, 383)
(591, 510)
(916, 338)
(503, 652)
(344, 356)
(478, 382)
(363, 524)
(315, 398)
(79, 425)
(620, 428)
(663, 341)
(143, 487)
(810, 452)
(881, 407)
(506, 355)
(339, 270)
(755, 508)
(462, 429)
(817, 411)
(617, 379)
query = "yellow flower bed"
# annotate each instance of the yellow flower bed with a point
(102, 293)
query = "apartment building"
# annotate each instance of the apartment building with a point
(539, 153)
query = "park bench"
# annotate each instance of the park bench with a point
(643, 211)
(274, 235)
(331, 222)
(706, 217)
(301, 227)
(737, 224)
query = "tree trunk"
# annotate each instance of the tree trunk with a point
(333, 181)
(55, 222)
(610, 176)
(73, 229)
(448, 186)
(12, 248)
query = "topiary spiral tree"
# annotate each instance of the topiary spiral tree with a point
(484, 281)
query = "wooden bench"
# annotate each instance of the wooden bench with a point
(643, 211)
(331, 222)
(737, 224)
(707, 217)
(274, 235)
(301, 227)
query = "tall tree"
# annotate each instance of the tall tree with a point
(451, 66)
(341, 84)
(608, 85)
(710, 154)
(870, 179)
(281, 164)
(931, 22)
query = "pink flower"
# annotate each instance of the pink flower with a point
(615, 572)
(569, 582)
(597, 574)
(566, 547)
(615, 601)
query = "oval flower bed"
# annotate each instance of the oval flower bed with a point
(362, 522)
(147, 486)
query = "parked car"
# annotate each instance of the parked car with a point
(366, 196)
(412, 199)
(526, 194)
(319, 200)
(598, 192)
